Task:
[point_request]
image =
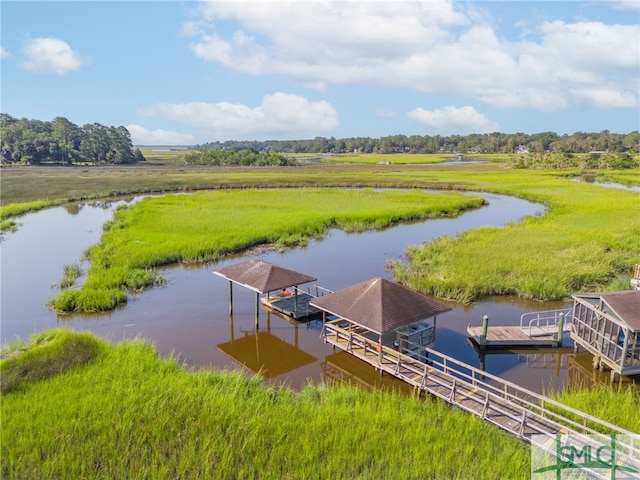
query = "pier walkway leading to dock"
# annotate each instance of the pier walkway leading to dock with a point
(526, 414)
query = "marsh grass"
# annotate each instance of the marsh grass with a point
(125, 413)
(617, 404)
(8, 225)
(206, 226)
(70, 273)
(588, 240)
(47, 354)
(391, 158)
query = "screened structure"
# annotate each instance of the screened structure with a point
(608, 326)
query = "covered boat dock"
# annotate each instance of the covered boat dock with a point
(378, 313)
(266, 278)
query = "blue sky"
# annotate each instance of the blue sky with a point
(191, 72)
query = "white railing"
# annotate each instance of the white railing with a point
(545, 322)
(526, 404)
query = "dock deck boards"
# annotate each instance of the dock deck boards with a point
(513, 336)
(288, 305)
(505, 405)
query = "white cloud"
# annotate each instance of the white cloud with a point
(437, 47)
(605, 98)
(625, 5)
(382, 113)
(142, 136)
(453, 120)
(279, 115)
(4, 53)
(51, 55)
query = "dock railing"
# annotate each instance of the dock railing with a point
(314, 291)
(522, 412)
(533, 402)
(545, 322)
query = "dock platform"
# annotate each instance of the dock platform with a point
(295, 306)
(536, 329)
(514, 336)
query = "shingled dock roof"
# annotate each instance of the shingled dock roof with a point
(379, 305)
(624, 304)
(261, 276)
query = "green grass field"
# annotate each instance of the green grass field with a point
(588, 240)
(121, 412)
(74, 406)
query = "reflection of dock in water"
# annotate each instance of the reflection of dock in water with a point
(580, 373)
(540, 358)
(342, 367)
(264, 353)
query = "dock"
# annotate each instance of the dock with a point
(536, 329)
(294, 305)
(530, 416)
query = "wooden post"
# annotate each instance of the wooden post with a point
(230, 297)
(295, 299)
(485, 327)
(257, 309)
(380, 353)
(560, 328)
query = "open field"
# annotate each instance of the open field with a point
(27, 184)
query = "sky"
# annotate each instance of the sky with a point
(190, 72)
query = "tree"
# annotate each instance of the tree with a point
(68, 137)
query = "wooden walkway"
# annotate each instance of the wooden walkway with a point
(514, 409)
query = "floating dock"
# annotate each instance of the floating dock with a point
(514, 337)
(536, 329)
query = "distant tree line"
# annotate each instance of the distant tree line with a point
(578, 142)
(60, 141)
(250, 157)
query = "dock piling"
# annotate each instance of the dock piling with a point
(560, 328)
(485, 327)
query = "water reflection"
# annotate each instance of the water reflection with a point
(593, 179)
(265, 353)
(189, 317)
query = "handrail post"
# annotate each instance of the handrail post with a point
(524, 420)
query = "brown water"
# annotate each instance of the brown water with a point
(189, 316)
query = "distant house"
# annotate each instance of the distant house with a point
(522, 149)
